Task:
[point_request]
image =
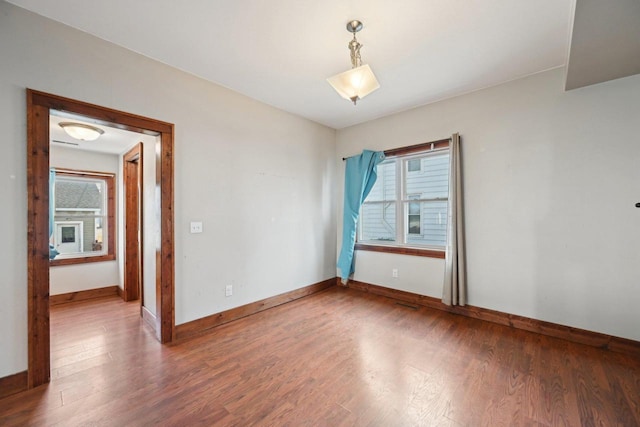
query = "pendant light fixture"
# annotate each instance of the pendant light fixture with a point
(359, 81)
(81, 131)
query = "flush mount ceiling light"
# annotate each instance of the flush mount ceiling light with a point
(81, 131)
(359, 81)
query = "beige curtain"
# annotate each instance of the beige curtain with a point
(455, 287)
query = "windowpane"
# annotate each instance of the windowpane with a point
(408, 204)
(378, 222)
(432, 224)
(68, 235)
(414, 224)
(385, 186)
(413, 219)
(433, 180)
(81, 218)
(414, 165)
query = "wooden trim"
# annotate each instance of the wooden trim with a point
(400, 151)
(430, 253)
(148, 317)
(120, 293)
(134, 154)
(425, 146)
(199, 326)
(111, 217)
(66, 107)
(133, 234)
(568, 333)
(13, 384)
(83, 173)
(37, 242)
(107, 291)
(165, 264)
(39, 105)
(81, 260)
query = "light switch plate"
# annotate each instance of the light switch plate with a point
(196, 227)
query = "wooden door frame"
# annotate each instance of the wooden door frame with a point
(39, 106)
(133, 156)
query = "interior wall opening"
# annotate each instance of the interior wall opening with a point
(42, 108)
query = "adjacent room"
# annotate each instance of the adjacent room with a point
(336, 213)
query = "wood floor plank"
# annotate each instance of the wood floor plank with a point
(336, 358)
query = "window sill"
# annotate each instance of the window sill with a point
(429, 253)
(81, 260)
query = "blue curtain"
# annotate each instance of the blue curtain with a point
(360, 175)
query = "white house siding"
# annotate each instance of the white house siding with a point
(378, 216)
(385, 186)
(88, 228)
(378, 220)
(430, 182)
(73, 198)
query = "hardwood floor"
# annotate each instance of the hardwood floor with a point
(337, 358)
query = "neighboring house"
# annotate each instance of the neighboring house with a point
(77, 223)
(427, 183)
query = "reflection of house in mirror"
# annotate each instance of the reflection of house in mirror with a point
(78, 218)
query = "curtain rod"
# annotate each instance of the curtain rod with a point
(402, 150)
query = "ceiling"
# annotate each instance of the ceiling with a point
(113, 141)
(605, 42)
(280, 52)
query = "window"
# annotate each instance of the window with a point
(414, 165)
(407, 207)
(83, 217)
(414, 214)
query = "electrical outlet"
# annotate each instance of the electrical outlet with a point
(228, 290)
(394, 272)
(196, 227)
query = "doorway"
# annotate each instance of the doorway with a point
(68, 237)
(39, 107)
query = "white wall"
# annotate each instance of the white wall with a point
(80, 277)
(261, 180)
(150, 225)
(550, 181)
